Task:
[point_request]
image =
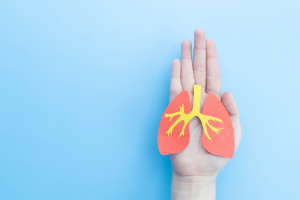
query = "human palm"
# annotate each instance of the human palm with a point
(202, 69)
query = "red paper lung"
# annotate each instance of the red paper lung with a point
(222, 144)
(173, 143)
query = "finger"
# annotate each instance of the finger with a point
(175, 86)
(199, 59)
(213, 78)
(187, 75)
(233, 111)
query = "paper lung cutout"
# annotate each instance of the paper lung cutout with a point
(170, 143)
(217, 136)
(223, 143)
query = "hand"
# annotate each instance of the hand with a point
(194, 169)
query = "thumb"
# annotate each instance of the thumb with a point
(233, 111)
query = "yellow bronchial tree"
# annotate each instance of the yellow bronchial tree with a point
(194, 113)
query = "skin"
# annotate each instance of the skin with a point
(194, 169)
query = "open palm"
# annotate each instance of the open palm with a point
(202, 70)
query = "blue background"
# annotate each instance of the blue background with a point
(84, 83)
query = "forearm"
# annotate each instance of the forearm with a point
(193, 187)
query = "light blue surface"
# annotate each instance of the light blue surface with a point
(84, 83)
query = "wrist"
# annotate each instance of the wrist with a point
(193, 187)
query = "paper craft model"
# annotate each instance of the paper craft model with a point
(174, 134)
